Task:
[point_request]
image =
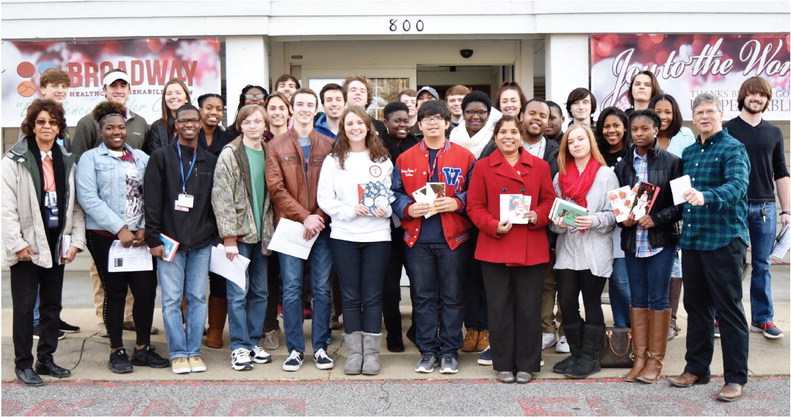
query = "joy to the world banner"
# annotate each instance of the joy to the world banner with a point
(150, 63)
(687, 65)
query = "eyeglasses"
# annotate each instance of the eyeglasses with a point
(479, 113)
(50, 122)
(252, 96)
(707, 112)
(432, 119)
(188, 121)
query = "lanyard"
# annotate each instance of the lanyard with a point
(433, 167)
(181, 168)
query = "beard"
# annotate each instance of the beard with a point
(752, 110)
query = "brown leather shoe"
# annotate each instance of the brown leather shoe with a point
(686, 380)
(731, 391)
(470, 341)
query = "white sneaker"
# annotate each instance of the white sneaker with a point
(548, 340)
(562, 346)
(240, 360)
(322, 360)
(294, 361)
(259, 355)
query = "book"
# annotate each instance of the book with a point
(171, 246)
(375, 195)
(621, 200)
(567, 211)
(514, 207)
(645, 195)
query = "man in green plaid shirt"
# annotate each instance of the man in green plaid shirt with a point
(714, 243)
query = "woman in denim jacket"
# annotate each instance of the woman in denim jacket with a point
(110, 190)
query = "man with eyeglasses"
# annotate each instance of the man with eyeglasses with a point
(436, 236)
(116, 88)
(714, 247)
(177, 196)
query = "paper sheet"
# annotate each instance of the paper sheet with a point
(121, 259)
(678, 186)
(782, 242)
(288, 240)
(234, 271)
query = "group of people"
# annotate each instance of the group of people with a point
(420, 191)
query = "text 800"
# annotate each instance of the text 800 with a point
(406, 25)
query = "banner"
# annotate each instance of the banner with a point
(150, 63)
(687, 65)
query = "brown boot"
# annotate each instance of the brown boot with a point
(483, 340)
(470, 341)
(676, 285)
(657, 345)
(639, 319)
(218, 310)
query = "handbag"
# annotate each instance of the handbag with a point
(617, 350)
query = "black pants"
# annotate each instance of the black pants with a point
(713, 282)
(570, 284)
(391, 290)
(143, 285)
(275, 294)
(27, 281)
(513, 295)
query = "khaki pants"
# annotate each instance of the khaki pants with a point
(98, 297)
(548, 315)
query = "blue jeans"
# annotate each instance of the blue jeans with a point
(187, 276)
(36, 314)
(291, 273)
(361, 268)
(436, 274)
(619, 293)
(649, 279)
(762, 237)
(246, 309)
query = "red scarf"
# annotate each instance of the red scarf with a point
(575, 185)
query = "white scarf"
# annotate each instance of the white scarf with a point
(478, 141)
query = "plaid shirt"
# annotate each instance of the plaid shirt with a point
(718, 168)
(642, 249)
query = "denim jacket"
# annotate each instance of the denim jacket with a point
(101, 188)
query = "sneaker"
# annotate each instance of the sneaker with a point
(768, 329)
(240, 360)
(148, 356)
(37, 333)
(548, 340)
(259, 355)
(542, 362)
(68, 328)
(716, 329)
(180, 366)
(322, 360)
(448, 365)
(294, 361)
(119, 362)
(427, 363)
(271, 340)
(562, 346)
(197, 364)
(485, 358)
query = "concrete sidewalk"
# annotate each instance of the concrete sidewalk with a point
(86, 353)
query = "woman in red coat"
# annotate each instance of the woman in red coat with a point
(513, 253)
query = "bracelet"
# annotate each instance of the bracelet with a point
(785, 212)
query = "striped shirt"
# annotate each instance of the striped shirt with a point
(719, 169)
(642, 249)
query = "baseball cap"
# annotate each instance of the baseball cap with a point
(430, 90)
(115, 75)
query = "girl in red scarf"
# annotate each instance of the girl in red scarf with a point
(584, 252)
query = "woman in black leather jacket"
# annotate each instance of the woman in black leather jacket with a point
(649, 243)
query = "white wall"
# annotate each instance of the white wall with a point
(246, 62)
(567, 65)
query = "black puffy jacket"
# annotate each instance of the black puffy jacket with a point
(662, 167)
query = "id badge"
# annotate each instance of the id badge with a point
(51, 199)
(185, 200)
(178, 207)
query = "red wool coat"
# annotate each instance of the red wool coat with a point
(493, 175)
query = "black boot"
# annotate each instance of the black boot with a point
(573, 333)
(395, 342)
(588, 362)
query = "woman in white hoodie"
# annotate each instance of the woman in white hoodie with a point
(354, 190)
(477, 124)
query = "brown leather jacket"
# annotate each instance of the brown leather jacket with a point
(292, 192)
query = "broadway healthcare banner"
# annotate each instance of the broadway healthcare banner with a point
(150, 63)
(687, 65)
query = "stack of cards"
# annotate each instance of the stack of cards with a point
(566, 210)
(514, 207)
(375, 195)
(428, 194)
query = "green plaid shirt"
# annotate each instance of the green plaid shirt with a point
(720, 169)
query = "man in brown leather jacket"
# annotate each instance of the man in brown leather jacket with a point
(293, 162)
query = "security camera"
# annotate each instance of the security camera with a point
(465, 53)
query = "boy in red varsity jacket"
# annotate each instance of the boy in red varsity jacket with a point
(437, 247)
